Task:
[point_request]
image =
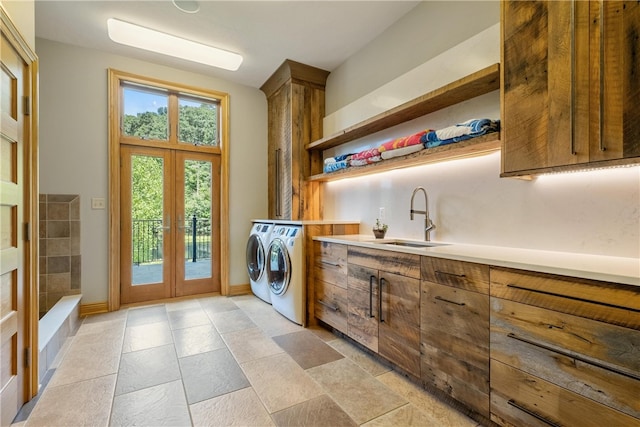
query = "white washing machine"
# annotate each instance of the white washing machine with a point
(257, 245)
(285, 272)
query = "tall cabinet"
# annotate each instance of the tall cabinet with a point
(570, 79)
(295, 97)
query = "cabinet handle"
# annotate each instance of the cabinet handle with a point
(602, 64)
(329, 306)
(278, 182)
(570, 355)
(439, 298)
(331, 263)
(446, 273)
(538, 291)
(532, 413)
(371, 279)
(382, 281)
(573, 78)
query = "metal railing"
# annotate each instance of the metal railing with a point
(147, 239)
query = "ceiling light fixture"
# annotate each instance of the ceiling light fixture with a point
(166, 44)
(187, 6)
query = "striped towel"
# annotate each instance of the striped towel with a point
(405, 141)
(401, 151)
(460, 132)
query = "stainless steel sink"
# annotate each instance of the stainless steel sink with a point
(408, 243)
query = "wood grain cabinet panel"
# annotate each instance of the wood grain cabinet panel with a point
(455, 330)
(570, 86)
(330, 283)
(557, 339)
(331, 305)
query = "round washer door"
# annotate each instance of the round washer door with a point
(278, 267)
(255, 257)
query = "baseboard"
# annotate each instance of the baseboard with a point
(239, 290)
(94, 308)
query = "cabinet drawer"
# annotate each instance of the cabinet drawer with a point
(330, 263)
(392, 262)
(520, 399)
(598, 360)
(607, 302)
(459, 274)
(330, 305)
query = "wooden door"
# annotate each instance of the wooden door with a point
(170, 216)
(13, 193)
(399, 321)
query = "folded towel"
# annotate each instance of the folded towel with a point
(367, 161)
(401, 151)
(335, 166)
(460, 132)
(336, 158)
(404, 141)
(365, 154)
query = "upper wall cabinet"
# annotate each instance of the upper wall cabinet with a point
(571, 84)
(295, 97)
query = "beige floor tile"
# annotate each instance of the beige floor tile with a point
(238, 408)
(161, 405)
(443, 414)
(99, 327)
(280, 382)
(182, 305)
(321, 411)
(89, 356)
(186, 318)
(230, 321)
(406, 416)
(103, 317)
(146, 315)
(273, 323)
(250, 344)
(197, 339)
(307, 349)
(86, 403)
(322, 333)
(146, 336)
(355, 390)
(217, 304)
(147, 368)
(360, 357)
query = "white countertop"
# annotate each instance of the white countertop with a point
(595, 267)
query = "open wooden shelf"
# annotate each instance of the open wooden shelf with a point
(469, 148)
(471, 86)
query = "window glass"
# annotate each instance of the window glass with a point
(198, 121)
(145, 113)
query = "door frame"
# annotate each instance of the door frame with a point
(31, 205)
(114, 79)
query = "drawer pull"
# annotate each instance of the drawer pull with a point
(381, 284)
(329, 306)
(554, 294)
(532, 413)
(445, 273)
(331, 263)
(570, 355)
(439, 298)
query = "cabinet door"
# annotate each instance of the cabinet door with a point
(455, 343)
(615, 84)
(279, 154)
(362, 294)
(399, 322)
(545, 80)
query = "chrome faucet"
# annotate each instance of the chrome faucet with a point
(428, 224)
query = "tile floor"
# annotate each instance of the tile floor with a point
(221, 361)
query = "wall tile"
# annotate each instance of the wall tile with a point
(58, 264)
(58, 229)
(58, 247)
(76, 267)
(58, 211)
(60, 282)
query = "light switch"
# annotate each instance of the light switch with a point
(97, 203)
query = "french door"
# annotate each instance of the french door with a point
(170, 216)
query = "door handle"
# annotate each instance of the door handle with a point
(180, 223)
(167, 227)
(381, 284)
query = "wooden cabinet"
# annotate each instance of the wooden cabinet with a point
(455, 330)
(384, 304)
(570, 85)
(330, 283)
(295, 96)
(563, 351)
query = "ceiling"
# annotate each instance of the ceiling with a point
(318, 33)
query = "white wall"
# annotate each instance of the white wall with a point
(74, 148)
(595, 212)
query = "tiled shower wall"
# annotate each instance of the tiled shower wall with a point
(59, 248)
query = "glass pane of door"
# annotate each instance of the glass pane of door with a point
(197, 219)
(147, 219)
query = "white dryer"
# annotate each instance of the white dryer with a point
(286, 272)
(259, 238)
